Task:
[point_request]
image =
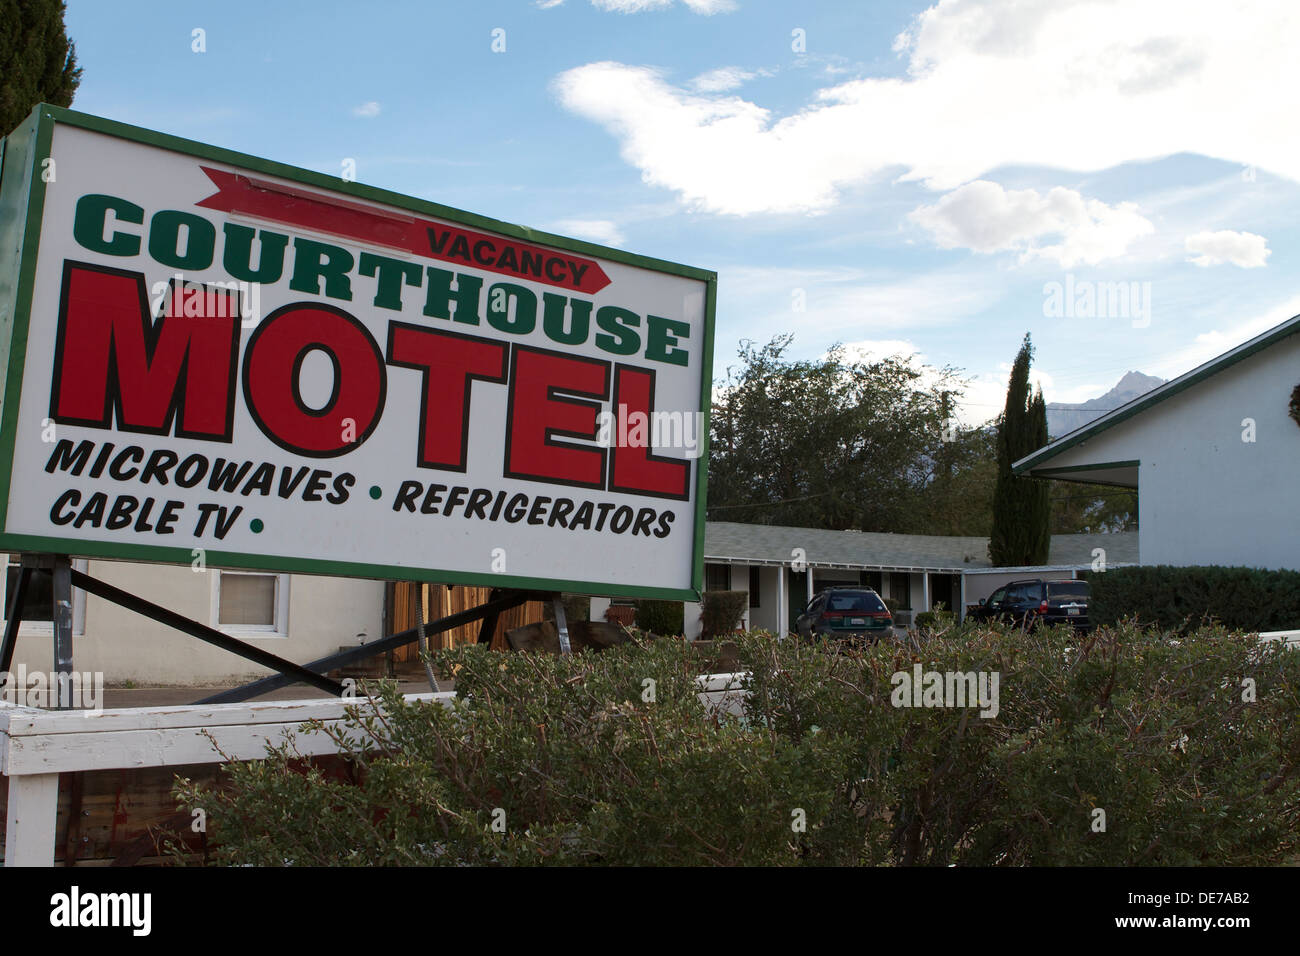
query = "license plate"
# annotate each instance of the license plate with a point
(859, 621)
(1071, 610)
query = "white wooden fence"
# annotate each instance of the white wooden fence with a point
(37, 745)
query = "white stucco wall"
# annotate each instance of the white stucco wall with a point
(1205, 495)
(323, 615)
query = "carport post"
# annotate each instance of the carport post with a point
(808, 599)
(925, 590)
(782, 615)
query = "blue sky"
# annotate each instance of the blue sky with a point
(894, 175)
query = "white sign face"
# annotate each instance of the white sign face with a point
(279, 370)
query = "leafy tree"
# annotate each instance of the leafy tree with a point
(1079, 508)
(837, 443)
(1022, 507)
(38, 63)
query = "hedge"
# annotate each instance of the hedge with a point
(1181, 598)
(721, 612)
(664, 618)
(1116, 748)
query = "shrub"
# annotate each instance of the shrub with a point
(1181, 599)
(937, 619)
(721, 612)
(548, 759)
(664, 618)
(577, 607)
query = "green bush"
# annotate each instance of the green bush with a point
(1182, 599)
(937, 619)
(664, 618)
(1189, 747)
(577, 607)
(721, 612)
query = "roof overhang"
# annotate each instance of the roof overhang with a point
(832, 565)
(1122, 474)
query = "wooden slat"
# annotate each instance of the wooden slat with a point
(442, 601)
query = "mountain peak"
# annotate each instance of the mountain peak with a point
(1137, 382)
(1063, 417)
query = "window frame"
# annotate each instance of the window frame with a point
(279, 629)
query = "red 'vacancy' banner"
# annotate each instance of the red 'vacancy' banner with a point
(338, 217)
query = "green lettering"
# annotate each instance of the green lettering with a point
(662, 336)
(88, 223)
(238, 255)
(498, 308)
(314, 261)
(391, 274)
(438, 298)
(165, 240)
(553, 319)
(619, 323)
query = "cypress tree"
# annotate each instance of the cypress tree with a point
(1021, 506)
(38, 64)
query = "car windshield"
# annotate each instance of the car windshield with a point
(1075, 589)
(854, 601)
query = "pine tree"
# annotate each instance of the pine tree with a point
(1022, 507)
(38, 64)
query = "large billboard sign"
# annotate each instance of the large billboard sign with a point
(214, 355)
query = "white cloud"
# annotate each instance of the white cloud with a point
(709, 7)
(597, 230)
(1071, 84)
(1243, 249)
(367, 110)
(704, 7)
(721, 80)
(984, 217)
(549, 4)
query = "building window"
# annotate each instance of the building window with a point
(38, 604)
(717, 577)
(254, 604)
(755, 585)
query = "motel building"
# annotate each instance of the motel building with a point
(782, 568)
(1214, 456)
(304, 617)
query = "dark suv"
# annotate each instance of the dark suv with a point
(855, 613)
(1033, 602)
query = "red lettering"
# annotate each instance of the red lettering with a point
(539, 414)
(112, 360)
(272, 366)
(451, 364)
(633, 469)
